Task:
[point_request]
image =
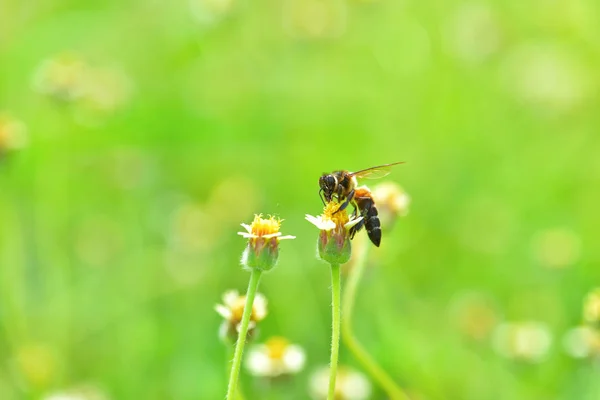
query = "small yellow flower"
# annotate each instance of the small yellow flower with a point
(232, 310)
(263, 237)
(276, 357)
(13, 134)
(334, 241)
(350, 384)
(591, 308)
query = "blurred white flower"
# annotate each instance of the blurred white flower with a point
(97, 91)
(232, 310)
(314, 18)
(547, 77)
(210, 12)
(556, 248)
(474, 315)
(392, 202)
(98, 240)
(277, 356)
(473, 33)
(582, 342)
(83, 392)
(61, 77)
(106, 89)
(350, 384)
(527, 341)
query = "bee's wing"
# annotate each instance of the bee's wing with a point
(375, 172)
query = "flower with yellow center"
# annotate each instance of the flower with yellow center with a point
(276, 357)
(260, 255)
(232, 310)
(263, 237)
(334, 240)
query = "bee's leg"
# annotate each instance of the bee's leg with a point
(348, 200)
(321, 196)
(356, 228)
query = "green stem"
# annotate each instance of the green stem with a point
(335, 328)
(239, 347)
(393, 391)
(230, 353)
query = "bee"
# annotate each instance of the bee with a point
(343, 186)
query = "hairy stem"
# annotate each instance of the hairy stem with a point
(369, 364)
(239, 346)
(335, 328)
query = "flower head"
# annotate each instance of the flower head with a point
(263, 237)
(392, 202)
(334, 240)
(276, 357)
(350, 384)
(591, 308)
(232, 310)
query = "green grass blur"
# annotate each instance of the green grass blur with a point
(118, 220)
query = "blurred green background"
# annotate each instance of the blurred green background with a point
(154, 129)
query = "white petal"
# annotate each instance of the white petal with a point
(271, 235)
(319, 382)
(287, 237)
(223, 311)
(230, 298)
(260, 306)
(247, 235)
(319, 222)
(247, 227)
(294, 358)
(352, 222)
(258, 361)
(355, 386)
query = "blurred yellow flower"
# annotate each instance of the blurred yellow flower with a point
(13, 134)
(232, 310)
(277, 356)
(591, 307)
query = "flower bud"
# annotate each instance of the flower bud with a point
(263, 237)
(333, 244)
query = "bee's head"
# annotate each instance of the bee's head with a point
(328, 183)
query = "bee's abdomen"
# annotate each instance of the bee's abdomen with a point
(369, 213)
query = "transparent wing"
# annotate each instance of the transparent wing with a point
(375, 172)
